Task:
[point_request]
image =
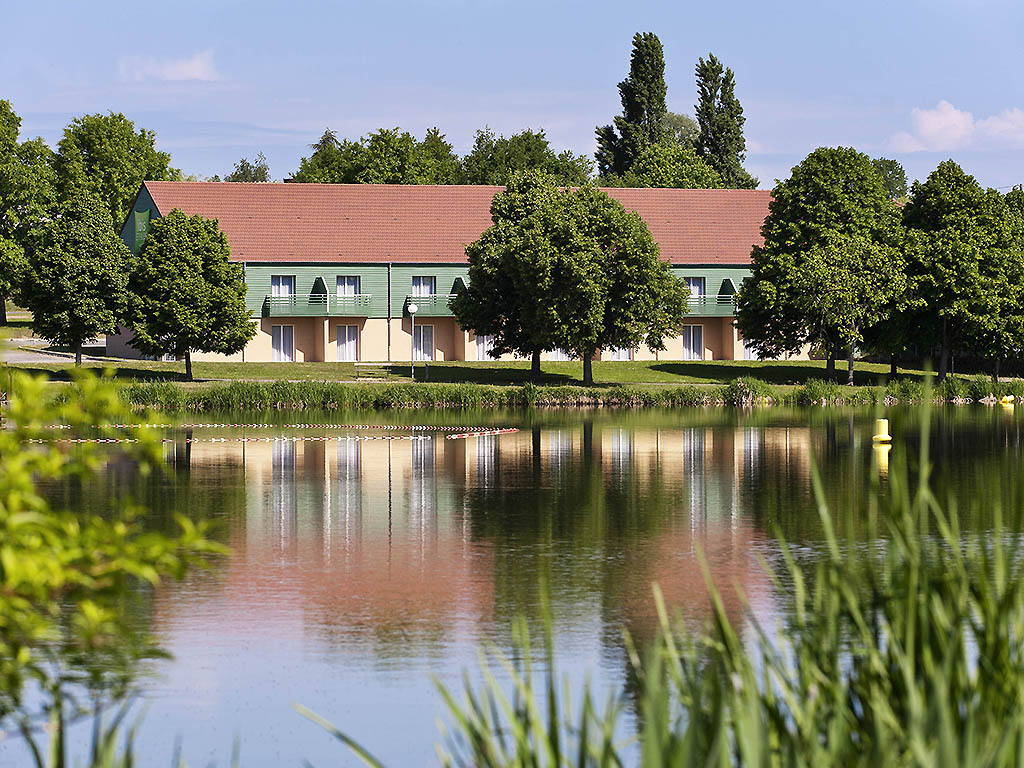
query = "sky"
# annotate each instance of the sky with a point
(916, 80)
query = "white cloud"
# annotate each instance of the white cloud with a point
(947, 128)
(137, 69)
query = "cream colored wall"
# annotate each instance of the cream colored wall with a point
(445, 332)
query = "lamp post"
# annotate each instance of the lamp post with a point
(412, 353)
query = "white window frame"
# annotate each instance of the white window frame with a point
(420, 282)
(417, 344)
(698, 283)
(688, 348)
(559, 355)
(344, 282)
(282, 285)
(620, 353)
(338, 342)
(277, 347)
(484, 344)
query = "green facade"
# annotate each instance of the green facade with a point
(316, 283)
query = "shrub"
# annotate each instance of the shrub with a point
(819, 392)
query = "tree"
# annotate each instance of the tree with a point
(962, 263)
(76, 279)
(332, 161)
(389, 157)
(893, 176)
(720, 120)
(667, 165)
(833, 199)
(643, 119)
(567, 268)
(27, 194)
(682, 129)
(611, 287)
(435, 161)
(255, 171)
(184, 292)
(495, 159)
(106, 156)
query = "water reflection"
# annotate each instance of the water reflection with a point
(360, 567)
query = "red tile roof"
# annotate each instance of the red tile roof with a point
(383, 222)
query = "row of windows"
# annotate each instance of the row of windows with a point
(282, 338)
(348, 285)
(422, 285)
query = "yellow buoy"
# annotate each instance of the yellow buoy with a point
(881, 431)
(1006, 399)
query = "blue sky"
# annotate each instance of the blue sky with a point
(918, 80)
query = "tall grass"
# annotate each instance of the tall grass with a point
(907, 653)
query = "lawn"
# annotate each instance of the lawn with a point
(605, 373)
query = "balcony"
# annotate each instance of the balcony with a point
(722, 305)
(317, 305)
(433, 305)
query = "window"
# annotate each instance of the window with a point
(696, 286)
(423, 342)
(348, 285)
(282, 339)
(424, 286)
(484, 345)
(282, 285)
(486, 458)
(620, 353)
(348, 343)
(559, 354)
(693, 342)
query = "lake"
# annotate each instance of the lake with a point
(364, 569)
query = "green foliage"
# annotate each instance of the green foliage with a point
(27, 193)
(720, 120)
(893, 177)
(819, 392)
(682, 129)
(966, 265)
(643, 119)
(569, 269)
(256, 170)
(184, 292)
(495, 159)
(747, 390)
(332, 161)
(67, 645)
(76, 278)
(667, 165)
(105, 155)
(828, 267)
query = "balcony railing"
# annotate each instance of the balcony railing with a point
(432, 305)
(715, 306)
(317, 305)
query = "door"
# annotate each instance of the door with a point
(423, 342)
(424, 286)
(696, 286)
(282, 285)
(348, 285)
(620, 353)
(348, 343)
(693, 342)
(282, 339)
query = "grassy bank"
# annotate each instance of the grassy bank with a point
(286, 395)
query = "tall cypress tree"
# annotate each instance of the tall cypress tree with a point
(720, 119)
(642, 122)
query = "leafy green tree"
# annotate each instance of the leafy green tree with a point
(962, 264)
(251, 171)
(720, 119)
(667, 165)
(27, 194)
(184, 292)
(682, 129)
(611, 287)
(389, 157)
(76, 278)
(567, 268)
(510, 272)
(643, 119)
(495, 159)
(106, 156)
(68, 576)
(832, 198)
(435, 161)
(333, 161)
(893, 176)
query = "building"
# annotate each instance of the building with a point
(331, 269)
